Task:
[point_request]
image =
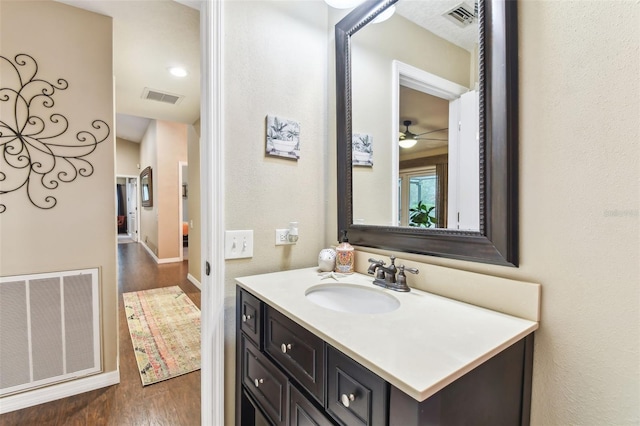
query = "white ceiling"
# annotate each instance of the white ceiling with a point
(429, 14)
(149, 36)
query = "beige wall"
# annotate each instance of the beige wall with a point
(579, 202)
(193, 142)
(149, 215)
(275, 63)
(127, 158)
(171, 139)
(163, 146)
(35, 240)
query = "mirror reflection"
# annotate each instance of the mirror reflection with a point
(415, 102)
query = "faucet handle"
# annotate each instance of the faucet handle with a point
(373, 265)
(412, 270)
(402, 278)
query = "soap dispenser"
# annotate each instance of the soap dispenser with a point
(345, 256)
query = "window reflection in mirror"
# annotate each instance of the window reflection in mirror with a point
(389, 60)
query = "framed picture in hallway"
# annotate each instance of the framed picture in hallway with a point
(146, 188)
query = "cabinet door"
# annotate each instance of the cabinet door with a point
(250, 316)
(355, 395)
(265, 382)
(297, 350)
(302, 412)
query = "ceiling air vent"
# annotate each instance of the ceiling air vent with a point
(160, 96)
(462, 15)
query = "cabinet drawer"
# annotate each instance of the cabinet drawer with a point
(302, 412)
(265, 382)
(250, 316)
(298, 351)
(355, 395)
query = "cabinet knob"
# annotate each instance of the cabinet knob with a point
(347, 399)
(258, 382)
(245, 318)
(284, 347)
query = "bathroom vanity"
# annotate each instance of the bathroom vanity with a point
(420, 360)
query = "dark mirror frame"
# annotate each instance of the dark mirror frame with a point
(497, 240)
(146, 201)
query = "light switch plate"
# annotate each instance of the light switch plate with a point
(238, 244)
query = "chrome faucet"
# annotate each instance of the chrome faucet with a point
(385, 276)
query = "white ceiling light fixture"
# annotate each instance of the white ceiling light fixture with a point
(343, 4)
(407, 143)
(178, 72)
(408, 139)
(388, 13)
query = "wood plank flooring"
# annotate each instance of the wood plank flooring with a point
(169, 403)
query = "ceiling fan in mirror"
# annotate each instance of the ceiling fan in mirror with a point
(408, 139)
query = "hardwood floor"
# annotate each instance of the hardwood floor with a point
(172, 402)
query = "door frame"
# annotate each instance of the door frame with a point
(181, 164)
(137, 178)
(212, 212)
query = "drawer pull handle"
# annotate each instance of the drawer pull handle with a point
(285, 347)
(258, 382)
(347, 399)
(246, 318)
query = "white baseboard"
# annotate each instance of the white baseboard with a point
(156, 259)
(61, 390)
(153, 255)
(193, 281)
(169, 260)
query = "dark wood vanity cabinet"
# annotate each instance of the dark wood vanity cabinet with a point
(286, 375)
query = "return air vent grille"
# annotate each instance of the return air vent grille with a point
(160, 96)
(462, 15)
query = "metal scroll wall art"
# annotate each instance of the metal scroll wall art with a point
(36, 154)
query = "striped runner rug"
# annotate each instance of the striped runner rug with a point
(164, 325)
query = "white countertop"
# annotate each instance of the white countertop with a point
(421, 347)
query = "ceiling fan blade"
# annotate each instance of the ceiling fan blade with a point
(431, 139)
(432, 131)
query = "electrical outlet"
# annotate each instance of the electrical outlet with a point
(282, 237)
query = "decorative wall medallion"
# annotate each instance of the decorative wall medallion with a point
(35, 153)
(362, 150)
(283, 137)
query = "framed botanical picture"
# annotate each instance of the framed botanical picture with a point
(283, 137)
(362, 150)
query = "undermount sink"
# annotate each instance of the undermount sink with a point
(352, 298)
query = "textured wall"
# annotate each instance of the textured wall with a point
(80, 231)
(127, 158)
(275, 63)
(171, 140)
(579, 202)
(149, 215)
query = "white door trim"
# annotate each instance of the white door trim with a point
(181, 164)
(403, 74)
(212, 212)
(137, 178)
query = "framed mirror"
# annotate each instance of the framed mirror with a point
(146, 188)
(491, 236)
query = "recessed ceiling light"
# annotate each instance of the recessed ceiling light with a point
(178, 71)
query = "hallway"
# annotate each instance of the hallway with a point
(172, 402)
